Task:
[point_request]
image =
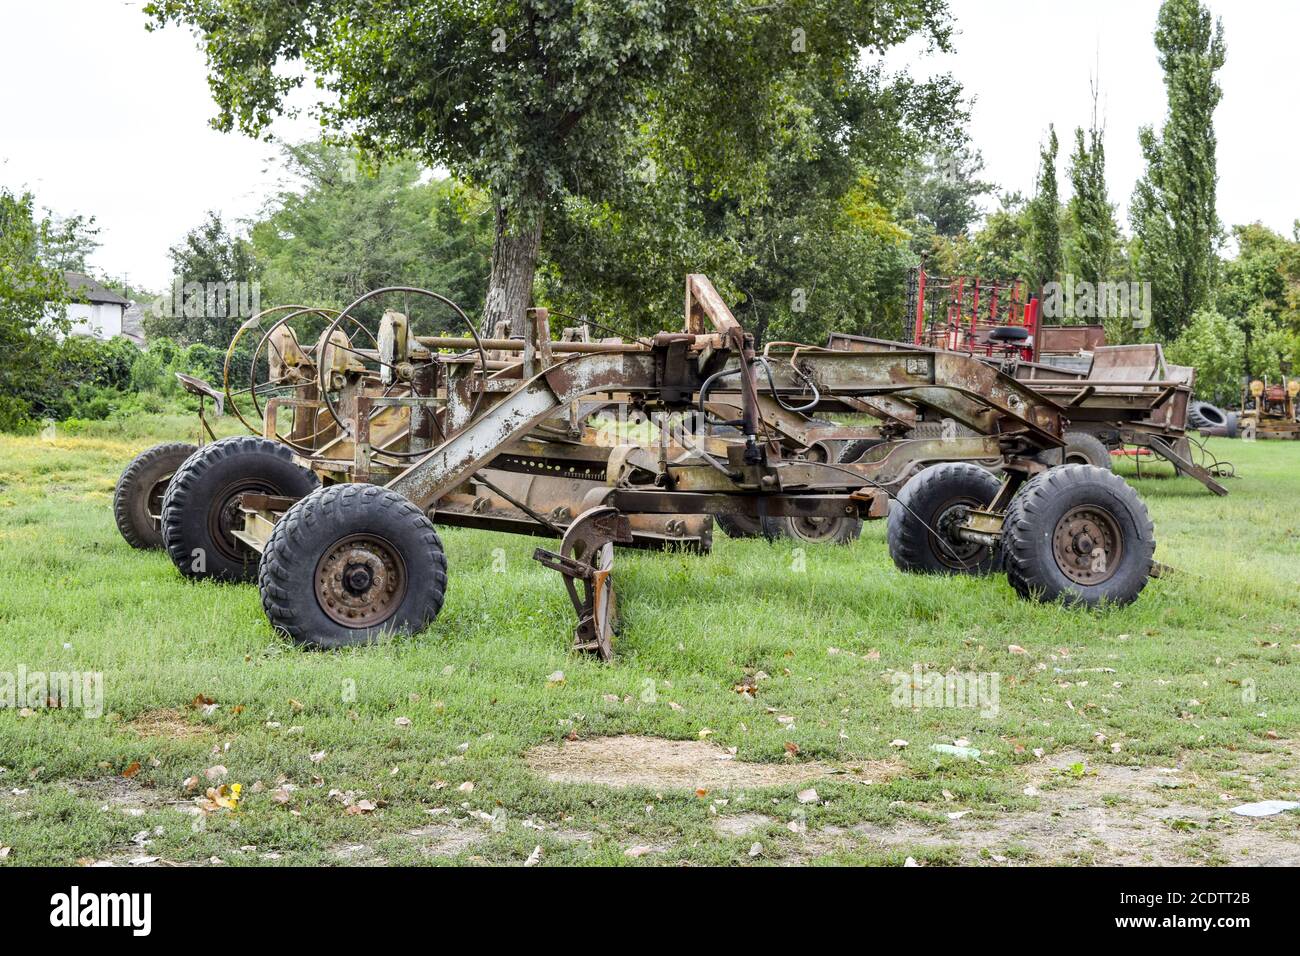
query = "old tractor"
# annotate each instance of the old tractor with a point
(369, 438)
(1269, 409)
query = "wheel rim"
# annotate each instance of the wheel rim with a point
(361, 581)
(1087, 545)
(813, 528)
(1077, 458)
(226, 516)
(153, 503)
(952, 551)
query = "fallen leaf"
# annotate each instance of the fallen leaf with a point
(1014, 649)
(957, 814)
(216, 773)
(201, 700)
(807, 796)
(791, 748)
(361, 806)
(132, 769)
(898, 743)
(756, 850)
(555, 679)
(402, 722)
(466, 787)
(535, 857)
(318, 756)
(638, 851)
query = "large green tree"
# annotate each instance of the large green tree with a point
(31, 292)
(340, 228)
(533, 101)
(214, 287)
(1175, 224)
(1093, 235)
(1043, 220)
(799, 235)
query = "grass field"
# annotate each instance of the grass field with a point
(1117, 737)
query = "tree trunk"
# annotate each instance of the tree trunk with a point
(515, 244)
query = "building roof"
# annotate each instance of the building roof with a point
(86, 289)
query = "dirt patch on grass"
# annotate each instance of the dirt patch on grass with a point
(633, 761)
(1089, 813)
(168, 723)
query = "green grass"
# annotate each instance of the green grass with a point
(1197, 659)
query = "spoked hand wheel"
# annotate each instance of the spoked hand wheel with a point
(586, 559)
(388, 363)
(281, 348)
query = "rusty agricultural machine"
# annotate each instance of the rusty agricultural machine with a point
(366, 439)
(1120, 399)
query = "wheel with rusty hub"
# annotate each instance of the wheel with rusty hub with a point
(924, 519)
(361, 580)
(1080, 534)
(1087, 545)
(138, 496)
(351, 564)
(200, 511)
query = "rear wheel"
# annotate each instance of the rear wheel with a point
(924, 519)
(201, 509)
(350, 563)
(739, 526)
(138, 497)
(854, 449)
(1079, 534)
(815, 530)
(1081, 448)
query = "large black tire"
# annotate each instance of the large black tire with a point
(855, 448)
(1203, 416)
(1081, 448)
(1052, 528)
(740, 526)
(137, 499)
(838, 530)
(201, 505)
(928, 506)
(350, 563)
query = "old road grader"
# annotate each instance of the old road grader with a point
(367, 439)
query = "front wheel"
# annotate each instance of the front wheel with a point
(350, 563)
(1079, 534)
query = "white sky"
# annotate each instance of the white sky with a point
(101, 118)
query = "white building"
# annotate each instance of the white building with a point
(93, 309)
